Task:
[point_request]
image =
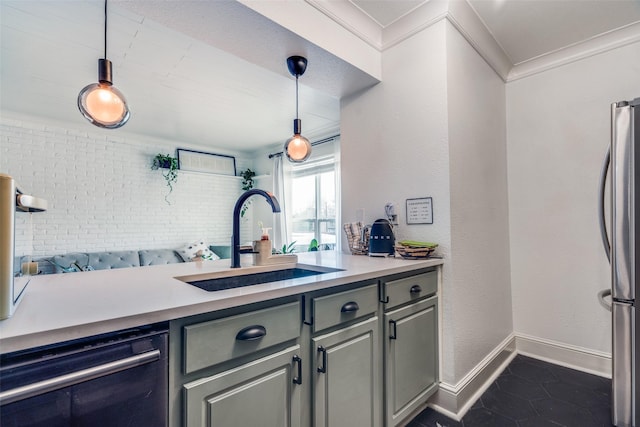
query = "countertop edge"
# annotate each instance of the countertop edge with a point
(79, 330)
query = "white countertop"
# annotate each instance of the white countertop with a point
(60, 307)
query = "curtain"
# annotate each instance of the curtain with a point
(280, 231)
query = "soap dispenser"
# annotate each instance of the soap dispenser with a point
(262, 247)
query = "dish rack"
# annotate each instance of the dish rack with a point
(358, 244)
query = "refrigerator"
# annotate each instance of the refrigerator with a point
(621, 184)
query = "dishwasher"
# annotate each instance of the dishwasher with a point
(111, 380)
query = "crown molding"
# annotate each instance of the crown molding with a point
(596, 45)
(422, 17)
(351, 18)
(459, 13)
(466, 21)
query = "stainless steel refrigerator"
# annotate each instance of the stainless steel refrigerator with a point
(622, 245)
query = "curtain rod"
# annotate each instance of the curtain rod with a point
(322, 141)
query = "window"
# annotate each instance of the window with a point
(313, 204)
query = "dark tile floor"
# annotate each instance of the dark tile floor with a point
(533, 393)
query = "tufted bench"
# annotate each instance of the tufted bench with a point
(81, 261)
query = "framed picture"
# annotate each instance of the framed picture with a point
(420, 211)
(200, 161)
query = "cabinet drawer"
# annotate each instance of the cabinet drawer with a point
(337, 308)
(411, 288)
(210, 343)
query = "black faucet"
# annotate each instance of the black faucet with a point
(235, 237)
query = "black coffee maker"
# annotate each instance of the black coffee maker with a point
(381, 238)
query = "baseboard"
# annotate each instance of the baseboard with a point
(454, 400)
(574, 357)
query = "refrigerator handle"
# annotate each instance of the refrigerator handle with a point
(601, 299)
(601, 205)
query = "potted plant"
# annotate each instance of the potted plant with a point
(290, 248)
(247, 184)
(169, 166)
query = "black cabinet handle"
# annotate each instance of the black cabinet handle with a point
(383, 298)
(250, 333)
(323, 369)
(415, 289)
(298, 379)
(350, 307)
(393, 335)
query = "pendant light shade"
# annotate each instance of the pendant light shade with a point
(297, 148)
(101, 103)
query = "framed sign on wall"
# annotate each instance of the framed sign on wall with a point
(420, 211)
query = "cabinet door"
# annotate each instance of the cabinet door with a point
(264, 392)
(411, 358)
(346, 371)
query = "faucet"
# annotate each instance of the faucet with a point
(235, 237)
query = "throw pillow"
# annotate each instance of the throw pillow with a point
(197, 251)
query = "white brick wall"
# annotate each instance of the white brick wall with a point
(103, 195)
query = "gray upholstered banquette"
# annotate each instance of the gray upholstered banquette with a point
(83, 261)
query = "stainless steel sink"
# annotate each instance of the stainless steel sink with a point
(213, 284)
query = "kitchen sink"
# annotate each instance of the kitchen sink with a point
(247, 279)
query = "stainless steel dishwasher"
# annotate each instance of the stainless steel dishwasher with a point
(112, 380)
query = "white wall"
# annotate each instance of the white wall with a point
(558, 130)
(102, 193)
(394, 138)
(435, 127)
(394, 146)
(480, 279)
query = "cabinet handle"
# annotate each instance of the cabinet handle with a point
(350, 307)
(394, 335)
(323, 369)
(383, 293)
(251, 333)
(77, 377)
(415, 289)
(298, 379)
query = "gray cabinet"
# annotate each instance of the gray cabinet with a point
(264, 392)
(345, 355)
(361, 355)
(345, 376)
(242, 369)
(411, 362)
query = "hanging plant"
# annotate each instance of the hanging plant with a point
(247, 179)
(247, 184)
(169, 166)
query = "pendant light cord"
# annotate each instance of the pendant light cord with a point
(105, 29)
(297, 97)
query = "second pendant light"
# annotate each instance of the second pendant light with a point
(297, 148)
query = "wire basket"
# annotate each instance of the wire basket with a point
(357, 244)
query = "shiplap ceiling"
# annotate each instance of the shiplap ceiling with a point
(188, 68)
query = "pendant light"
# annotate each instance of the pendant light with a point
(101, 103)
(297, 148)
